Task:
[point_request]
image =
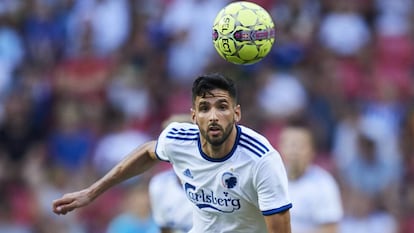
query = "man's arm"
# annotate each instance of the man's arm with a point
(278, 223)
(137, 162)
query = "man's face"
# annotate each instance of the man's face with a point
(295, 145)
(215, 114)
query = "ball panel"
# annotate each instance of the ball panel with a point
(264, 18)
(233, 8)
(227, 46)
(251, 5)
(265, 48)
(247, 17)
(248, 52)
(243, 33)
(235, 60)
(226, 25)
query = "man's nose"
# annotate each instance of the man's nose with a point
(213, 115)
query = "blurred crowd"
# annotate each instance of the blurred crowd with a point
(83, 82)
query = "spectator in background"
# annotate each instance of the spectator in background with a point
(128, 91)
(314, 191)
(12, 53)
(118, 140)
(189, 37)
(376, 121)
(7, 223)
(172, 214)
(370, 191)
(84, 79)
(108, 22)
(43, 33)
(368, 168)
(70, 142)
(343, 30)
(46, 181)
(281, 94)
(135, 215)
(407, 190)
(17, 131)
(83, 76)
(394, 47)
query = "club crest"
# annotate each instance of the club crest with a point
(229, 180)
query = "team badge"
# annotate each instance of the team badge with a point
(229, 180)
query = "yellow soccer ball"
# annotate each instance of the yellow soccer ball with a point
(243, 33)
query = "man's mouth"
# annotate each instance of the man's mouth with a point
(214, 129)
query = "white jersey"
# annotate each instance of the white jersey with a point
(230, 194)
(316, 200)
(170, 207)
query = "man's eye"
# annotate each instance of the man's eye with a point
(223, 107)
(203, 108)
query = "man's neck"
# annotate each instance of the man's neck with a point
(218, 152)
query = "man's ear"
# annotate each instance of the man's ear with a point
(237, 113)
(193, 116)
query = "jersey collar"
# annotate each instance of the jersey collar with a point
(206, 157)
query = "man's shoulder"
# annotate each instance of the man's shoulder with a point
(181, 131)
(254, 142)
(245, 130)
(182, 127)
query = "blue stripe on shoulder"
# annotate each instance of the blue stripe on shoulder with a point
(182, 129)
(182, 133)
(186, 134)
(182, 138)
(241, 143)
(254, 140)
(252, 145)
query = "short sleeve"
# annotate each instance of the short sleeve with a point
(270, 180)
(161, 148)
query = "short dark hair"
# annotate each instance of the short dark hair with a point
(204, 84)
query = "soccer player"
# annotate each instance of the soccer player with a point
(170, 208)
(181, 220)
(314, 192)
(233, 176)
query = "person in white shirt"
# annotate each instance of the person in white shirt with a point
(177, 203)
(314, 192)
(233, 177)
(174, 213)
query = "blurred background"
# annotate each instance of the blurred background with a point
(83, 82)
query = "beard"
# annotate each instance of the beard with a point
(219, 140)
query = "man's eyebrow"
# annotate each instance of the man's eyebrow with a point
(220, 100)
(223, 100)
(202, 102)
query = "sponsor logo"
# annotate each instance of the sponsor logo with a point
(203, 198)
(187, 173)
